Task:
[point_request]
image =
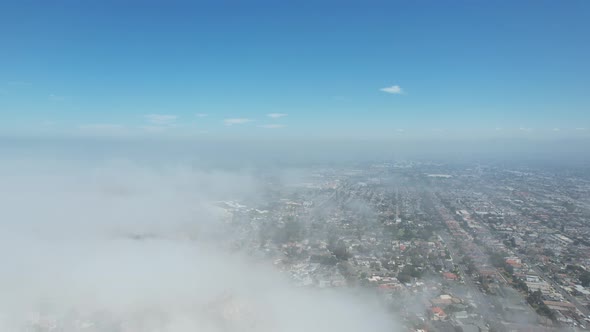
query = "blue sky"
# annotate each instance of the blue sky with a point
(360, 70)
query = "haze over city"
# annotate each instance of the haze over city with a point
(179, 166)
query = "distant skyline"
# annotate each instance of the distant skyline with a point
(315, 69)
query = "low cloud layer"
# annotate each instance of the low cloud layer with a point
(236, 121)
(394, 89)
(142, 247)
(276, 115)
(161, 119)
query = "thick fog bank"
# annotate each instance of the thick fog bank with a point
(140, 248)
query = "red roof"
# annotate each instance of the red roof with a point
(449, 275)
(438, 311)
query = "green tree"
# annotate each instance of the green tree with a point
(509, 269)
(339, 250)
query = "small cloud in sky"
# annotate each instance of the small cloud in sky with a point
(580, 129)
(201, 115)
(101, 126)
(340, 98)
(103, 129)
(54, 97)
(499, 128)
(153, 129)
(18, 83)
(272, 126)
(555, 129)
(394, 89)
(235, 121)
(276, 115)
(161, 119)
(48, 123)
(525, 129)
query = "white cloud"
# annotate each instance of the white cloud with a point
(272, 126)
(581, 129)
(153, 129)
(276, 115)
(201, 115)
(101, 126)
(526, 129)
(103, 129)
(161, 119)
(48, 123)
(235, 121)
(54, 97)
(340, 98)
(394, 89)
(142, 245)
(555, 129)
(18, 83)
